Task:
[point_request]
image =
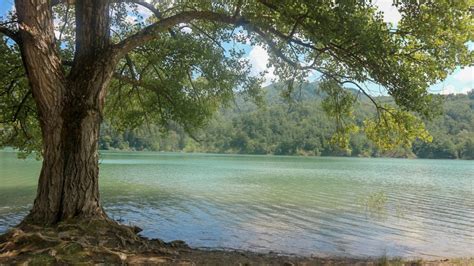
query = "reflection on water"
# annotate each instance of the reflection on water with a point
(320, 206)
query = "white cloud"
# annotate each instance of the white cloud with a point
(451, 89)
(258, 58)
(57, 34)
(130, 19)
(465, 75)
(390, 12)
(144, 12)
(185, 28)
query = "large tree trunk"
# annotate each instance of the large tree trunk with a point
(68, 184)
(69, 107)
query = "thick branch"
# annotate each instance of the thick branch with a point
(150, 32)
(92, 28)
(267, 34)
(149, 6)
(40, 57)
(10, 34)
(237, 9)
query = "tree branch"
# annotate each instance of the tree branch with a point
(237, 9)
(150, 32)
(128, 80)
(131, 66)
(10, 34)
(20, 106)
(66, 18)
(216, 42)
(267, 34)
(149, 6)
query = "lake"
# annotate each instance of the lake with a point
(294, 205)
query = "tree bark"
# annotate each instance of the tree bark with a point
(69, 107)
(68, 185)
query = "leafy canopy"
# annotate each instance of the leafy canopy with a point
(187, 72)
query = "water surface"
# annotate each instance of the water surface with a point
(299, 205)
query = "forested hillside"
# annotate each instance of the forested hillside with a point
(298, 126)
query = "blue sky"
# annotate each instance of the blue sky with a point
(461, 81)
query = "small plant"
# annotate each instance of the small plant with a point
(375, 204)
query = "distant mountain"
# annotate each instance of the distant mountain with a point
(306, 91)
(276, 93)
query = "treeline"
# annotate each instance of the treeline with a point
(298, 127)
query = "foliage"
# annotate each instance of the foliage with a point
(185, 81)
(18, 124)
(339, 105)
(183, 74)
(395, 128)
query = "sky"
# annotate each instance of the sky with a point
(460, 81)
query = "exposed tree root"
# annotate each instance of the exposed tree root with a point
(82, 241)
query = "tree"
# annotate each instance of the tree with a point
(98, 64)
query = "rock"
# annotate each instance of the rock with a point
(64, 235)
(158, 242)
(136, 229)
(178, 244)
(83, 242)
(52, 252)
(147, 260)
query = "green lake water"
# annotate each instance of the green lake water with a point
(298, 205)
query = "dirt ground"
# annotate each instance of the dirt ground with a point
(108, 243)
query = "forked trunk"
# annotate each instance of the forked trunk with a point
(68, 184)
(69, 105)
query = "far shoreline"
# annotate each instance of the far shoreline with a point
(9, 149)
(280, 155)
